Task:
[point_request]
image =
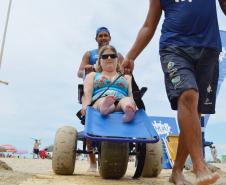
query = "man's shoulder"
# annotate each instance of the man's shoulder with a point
(93, 51)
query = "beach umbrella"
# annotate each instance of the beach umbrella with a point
(21, 152)
(9, 148)
(2, 149)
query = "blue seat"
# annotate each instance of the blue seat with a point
(112, 128)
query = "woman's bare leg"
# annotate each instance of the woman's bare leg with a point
(128, 106)
(105, 105)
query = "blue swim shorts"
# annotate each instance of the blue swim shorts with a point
(191, 68)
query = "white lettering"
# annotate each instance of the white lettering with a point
(162, 128)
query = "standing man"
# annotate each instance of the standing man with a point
(89, 59)
(189, 49)
(37, 143)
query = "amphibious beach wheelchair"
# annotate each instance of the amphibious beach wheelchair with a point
(114, 141)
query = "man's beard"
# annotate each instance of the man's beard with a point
(103, 44)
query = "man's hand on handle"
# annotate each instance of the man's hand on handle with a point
(89, 68)
(127, 66)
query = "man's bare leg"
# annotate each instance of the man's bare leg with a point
(177, 176)
(92, 158)
(190, 141)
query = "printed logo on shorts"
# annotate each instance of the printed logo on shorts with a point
(209, 89)
(208, 102)
(172, 71)
(176, 81)
(170, 65)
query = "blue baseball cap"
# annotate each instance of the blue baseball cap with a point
(102, 29)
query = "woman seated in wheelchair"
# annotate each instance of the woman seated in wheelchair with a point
(105, 97)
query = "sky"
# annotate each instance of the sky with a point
(44, 47)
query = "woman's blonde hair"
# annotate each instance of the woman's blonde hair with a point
(102, 49)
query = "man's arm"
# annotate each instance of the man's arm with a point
(223, 5)
(84, 63)
(148, 29)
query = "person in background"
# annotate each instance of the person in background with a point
(214, 153)
(189, 50)
(37, 143)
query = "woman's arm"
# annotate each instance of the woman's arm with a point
(88, 90)
(223, 6)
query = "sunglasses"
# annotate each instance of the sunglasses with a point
(106, 56)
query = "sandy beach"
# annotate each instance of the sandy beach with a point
(39, 172)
